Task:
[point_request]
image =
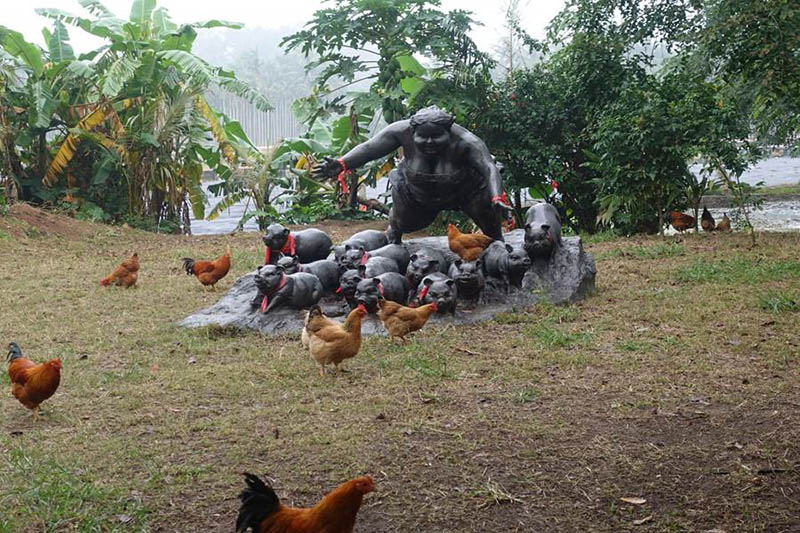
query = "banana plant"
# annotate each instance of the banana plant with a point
(131, 113)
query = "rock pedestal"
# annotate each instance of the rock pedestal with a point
(568, 276)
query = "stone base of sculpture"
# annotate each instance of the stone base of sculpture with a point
(567, 276)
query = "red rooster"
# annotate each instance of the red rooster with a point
(32, 384)
(262, 512)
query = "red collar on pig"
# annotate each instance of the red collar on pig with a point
(421, 295)
(265, 299)
(288, 249)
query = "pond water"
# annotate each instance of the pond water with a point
(774, 171)
(775, 216)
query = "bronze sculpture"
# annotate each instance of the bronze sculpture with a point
(444, 166)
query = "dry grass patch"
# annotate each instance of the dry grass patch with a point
(679, 389)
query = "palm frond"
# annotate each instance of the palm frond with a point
(119, 73)
(67, 149)
(216, 129)
(243, 90)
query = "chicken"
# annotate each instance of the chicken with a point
(468, 246)
(706, 220)
(209, 272)
(724, 224)
(32, 384)
(315, 313)
(399, 320)
(262, 512)
(330, 342)
(680, 221)
(125, 274)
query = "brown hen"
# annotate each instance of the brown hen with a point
(330, 342)
(680, 221)
(400, 320)
(125, 275)
(468, 246)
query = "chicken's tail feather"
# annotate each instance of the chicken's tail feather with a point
(188, 265)
(258, 502)
(14, 352)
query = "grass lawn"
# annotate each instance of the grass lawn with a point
(780, 190)
(676, 383)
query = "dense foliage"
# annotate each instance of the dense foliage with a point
(364, 53)
(642, 107)
(121, 132)
(627, 110)
(539, 121)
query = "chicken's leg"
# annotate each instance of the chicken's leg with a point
(321, 370)
(36, 414)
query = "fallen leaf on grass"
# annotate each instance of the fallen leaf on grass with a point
(634, 500)
(642, 520)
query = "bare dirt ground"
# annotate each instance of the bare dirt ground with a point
(675, 387)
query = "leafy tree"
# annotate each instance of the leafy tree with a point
(641, 156)
(361, 40)
(646, 140)
(376, 42)
(756, 47)
(750, 46)
(130, 114)
(539, 122)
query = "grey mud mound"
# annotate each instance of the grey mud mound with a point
(567, 277)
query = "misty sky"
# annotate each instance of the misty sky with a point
(20, 15)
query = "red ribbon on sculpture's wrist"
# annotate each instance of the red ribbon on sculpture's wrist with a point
(342, 174)
(502, 198)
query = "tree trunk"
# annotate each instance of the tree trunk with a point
(739, 197)
(353, 191)
(518, 207)
(373, 204)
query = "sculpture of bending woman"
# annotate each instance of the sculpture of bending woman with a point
(444, 166)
